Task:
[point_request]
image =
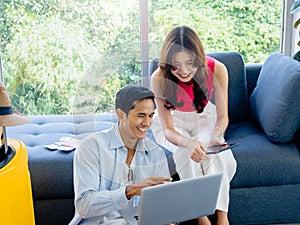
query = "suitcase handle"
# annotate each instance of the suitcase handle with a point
(5, 158)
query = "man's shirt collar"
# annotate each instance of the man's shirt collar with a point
(117, 142)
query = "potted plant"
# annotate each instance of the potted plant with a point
(296, 8)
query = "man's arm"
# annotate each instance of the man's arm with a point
(90, 201)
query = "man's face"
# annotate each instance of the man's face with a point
(139, 119)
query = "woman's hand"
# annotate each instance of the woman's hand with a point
(217, 137)
(196, 150)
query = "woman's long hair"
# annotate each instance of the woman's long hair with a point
(183, 38)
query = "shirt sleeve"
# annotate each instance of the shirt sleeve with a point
(89, 200)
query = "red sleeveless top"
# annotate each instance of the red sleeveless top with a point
(185, 93)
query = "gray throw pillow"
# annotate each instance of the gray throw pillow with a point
(275, 101)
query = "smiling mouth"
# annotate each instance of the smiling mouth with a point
(185, 75)
(142, 129)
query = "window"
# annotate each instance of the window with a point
(64, 57)
(252, 27)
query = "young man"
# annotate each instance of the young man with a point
(113, 166)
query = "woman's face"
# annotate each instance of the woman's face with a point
(183, 66)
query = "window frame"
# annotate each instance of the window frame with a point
(289, 35)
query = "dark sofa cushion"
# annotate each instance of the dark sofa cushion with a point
(274, 102)
(261, 162)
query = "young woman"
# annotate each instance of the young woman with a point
(188, 122)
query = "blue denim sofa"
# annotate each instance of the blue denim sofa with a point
(265, 189)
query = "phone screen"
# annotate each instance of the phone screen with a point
(214, 149)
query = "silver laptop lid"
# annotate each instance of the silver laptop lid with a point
(179, 201)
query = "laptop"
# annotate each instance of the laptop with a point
(176, 202)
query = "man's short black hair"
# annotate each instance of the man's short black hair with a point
(128, 95)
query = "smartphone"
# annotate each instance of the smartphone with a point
(214, 149)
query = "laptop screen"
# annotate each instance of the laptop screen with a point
(179, 201)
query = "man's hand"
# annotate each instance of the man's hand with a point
(135, 189)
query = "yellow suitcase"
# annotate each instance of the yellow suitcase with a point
(16, 205)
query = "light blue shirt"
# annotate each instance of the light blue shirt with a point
(101, 175)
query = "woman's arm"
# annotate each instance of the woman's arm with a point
(221, 101)
(194, 147)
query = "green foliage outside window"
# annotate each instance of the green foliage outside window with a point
(251, 27)
(72, 56)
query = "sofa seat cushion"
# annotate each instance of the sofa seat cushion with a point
(51, 173)
(275, 101)
(261, 162)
